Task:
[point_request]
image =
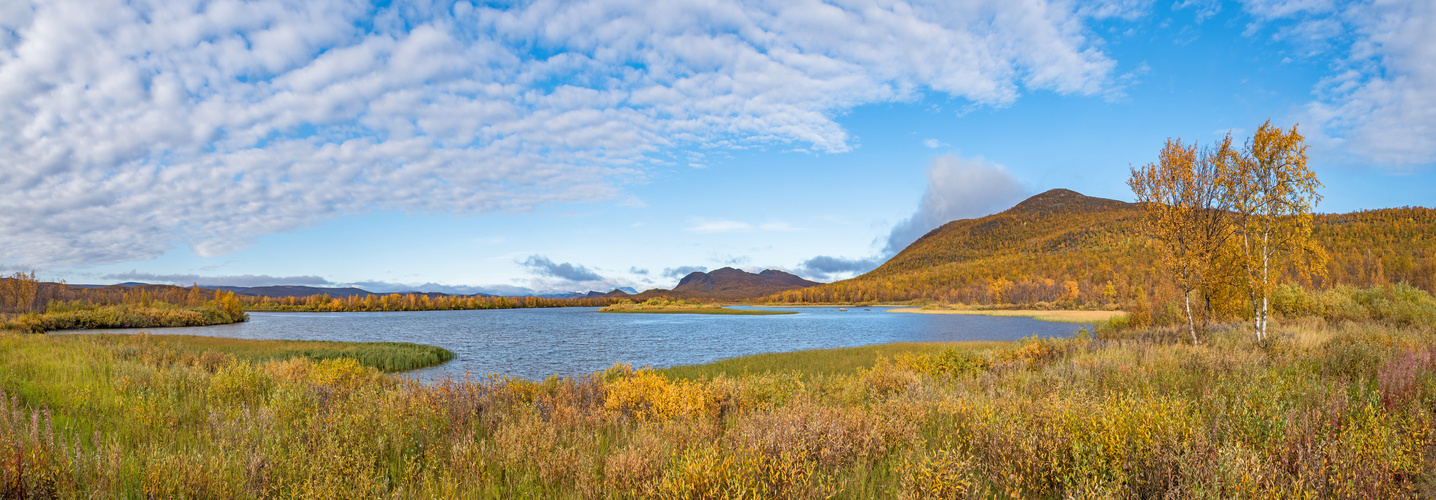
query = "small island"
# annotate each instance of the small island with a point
(663, 306)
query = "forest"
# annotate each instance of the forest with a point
(30, 305)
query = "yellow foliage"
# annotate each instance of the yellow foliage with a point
(241, 382)
(938, 474)
(342, 372)
(645, 395)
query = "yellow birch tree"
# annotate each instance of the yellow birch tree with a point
(1185, 196)
(1274, 195)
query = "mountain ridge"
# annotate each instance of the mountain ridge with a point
(728, 283)
(1066, 249)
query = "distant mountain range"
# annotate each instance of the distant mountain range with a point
(730, 284)
(720, 284)
(279, 291)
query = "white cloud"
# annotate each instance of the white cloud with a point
(777, 226)
(1381, 104)
(703, 226)
(958, 188)
(1378, 106)
(243, 280)
(720, 226)
(129, 127)
(824, 267)
(933, 143)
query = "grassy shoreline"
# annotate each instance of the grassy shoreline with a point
(1058, 315)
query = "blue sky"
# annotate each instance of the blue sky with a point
(555, 146)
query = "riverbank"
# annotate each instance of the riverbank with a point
(1339, 410)
(1060, 316)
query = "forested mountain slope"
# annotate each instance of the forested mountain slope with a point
(1068, 249)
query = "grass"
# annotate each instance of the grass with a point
(1326, 409)
(383, 356)
(818, 362)
(1060, 316)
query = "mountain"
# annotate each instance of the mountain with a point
(730, 284)
(1066, 248)
(278, 291)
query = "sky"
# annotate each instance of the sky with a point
(543, 146)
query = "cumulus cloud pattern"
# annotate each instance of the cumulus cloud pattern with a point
(957, 188)
(242, 280)
(681, 271)
(825, 267)
(1380, 106)
(127, 127)
(565, 271)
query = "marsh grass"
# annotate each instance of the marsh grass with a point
(382, 356)
(823, 362)
(1326, 410)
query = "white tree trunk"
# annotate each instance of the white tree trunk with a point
(1265, 280)
(1191, 328)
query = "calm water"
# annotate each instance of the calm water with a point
(536, 343)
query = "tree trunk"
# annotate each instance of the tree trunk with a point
(1191, 328)
(1265, 280)
(1251, 290)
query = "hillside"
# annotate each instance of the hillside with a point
(730, 284)
(1072, 250)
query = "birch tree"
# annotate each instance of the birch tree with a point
(1186, 200)
(1274, 195)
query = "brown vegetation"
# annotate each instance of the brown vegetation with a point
(1326, 409)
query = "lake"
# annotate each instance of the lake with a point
(536, 343)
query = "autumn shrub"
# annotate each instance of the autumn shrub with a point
(949, 362)
(645, 395)
(241, 383)
(1397, 304)
(1327, 410)
(825, 436)
(938, 474)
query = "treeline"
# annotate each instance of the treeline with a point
(409, 302)
(23, 293)
(74, 308)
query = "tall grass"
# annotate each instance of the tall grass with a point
(1328, 410)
